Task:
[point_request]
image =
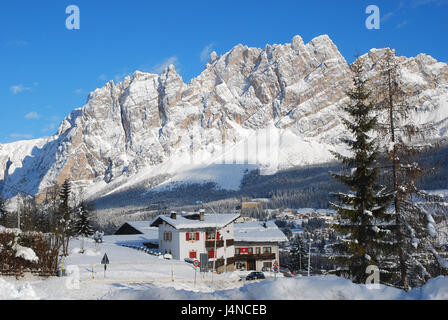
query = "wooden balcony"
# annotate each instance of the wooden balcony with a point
(264, 256)
(218, 263)
(230, 242)
(211, 243)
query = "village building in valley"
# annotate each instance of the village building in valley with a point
(187, 235)
(257, 245)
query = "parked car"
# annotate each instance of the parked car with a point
(255, 275)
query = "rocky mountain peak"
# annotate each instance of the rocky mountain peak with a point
(157, 124)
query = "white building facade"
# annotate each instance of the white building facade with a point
(186, 236)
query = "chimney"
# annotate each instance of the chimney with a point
(201, 214)
(173, 215)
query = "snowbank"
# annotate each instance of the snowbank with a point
(304, 288)
(134, 274)
(26, 253)
(10, 291)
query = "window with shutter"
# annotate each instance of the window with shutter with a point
(187, 236)
(197, 235)
(267, 250)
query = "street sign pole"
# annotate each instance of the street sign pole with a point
(105, 261)
(309, 257)
(275, 269)
(195, 266)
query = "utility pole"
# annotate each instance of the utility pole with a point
(216, 235)
(214, 250)
(309, 256)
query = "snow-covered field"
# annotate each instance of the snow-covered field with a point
(134, 274)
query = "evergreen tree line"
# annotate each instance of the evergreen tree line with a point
(56, 215)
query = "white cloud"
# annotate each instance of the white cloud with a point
(21, 135)
(18, 88)
(17, 43)
(418, 3)
(402, 24)
(160, 67)
(102, 77)
(79, 91)
(387, 16)
(205, 53)
(52, 126)
(32, 115)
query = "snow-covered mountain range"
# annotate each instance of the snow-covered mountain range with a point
(270, 108)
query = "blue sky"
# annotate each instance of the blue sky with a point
(47, 70)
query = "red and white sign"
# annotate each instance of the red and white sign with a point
(196, 263)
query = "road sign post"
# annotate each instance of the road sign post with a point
(195, 266)
(275, 269)
(105, 261)
(203, 262)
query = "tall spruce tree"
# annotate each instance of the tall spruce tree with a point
(363, 209)
(299, 254)
(64, 223)
(28, 212)
(415, 212)
(82, 225)
(3, 213)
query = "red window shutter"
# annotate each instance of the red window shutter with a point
(188, 236)
(217, 235)
(197, 235)
(211, 253)
(206, 235)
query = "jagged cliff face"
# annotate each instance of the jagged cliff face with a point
(148, 121)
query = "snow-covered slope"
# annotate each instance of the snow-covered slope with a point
(271, 108)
